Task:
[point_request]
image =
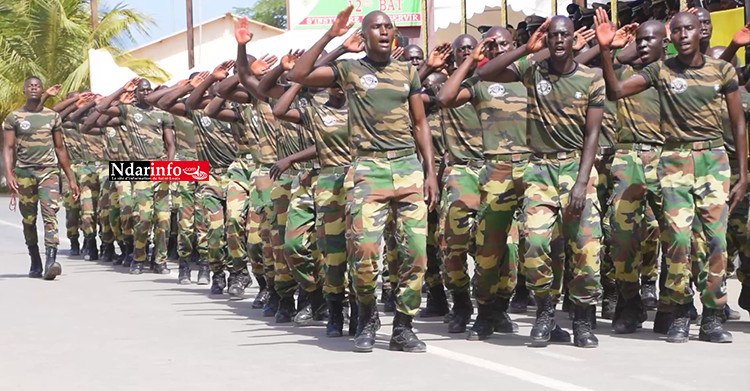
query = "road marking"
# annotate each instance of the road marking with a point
(39, 233)
(9, 224)
(557, 356)
(662, 382)
(520, 374)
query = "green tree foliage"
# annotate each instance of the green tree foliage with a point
(51, 39)
(271, 12)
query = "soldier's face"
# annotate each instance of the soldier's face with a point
(143, 89)
(522, 37)
(336, 93)
(560, 38)
(379, 33)
(33, 89)
(415, 56)
(685, 33)
(462, 48)
(707, 29)
(649, 41)
(501, 44)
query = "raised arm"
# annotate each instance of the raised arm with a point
(215, 109)
(83, 106)
(616, 89)
(231, 90)
(52, 91)
(281, 109)
(452, 94)
(305, 71)
(268, 86)
(197, 98)
(169, 103)
(153, 98)
(282, 165)
(435, 60)
(105, 106)
(740, 39)
(65, 103)
(498, 69)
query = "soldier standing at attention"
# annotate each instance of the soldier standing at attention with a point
(384, 103)
(694, 168)
(34, 134)
(565, 112)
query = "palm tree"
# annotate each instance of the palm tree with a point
(51, 39)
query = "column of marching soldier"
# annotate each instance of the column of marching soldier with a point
(561, 180)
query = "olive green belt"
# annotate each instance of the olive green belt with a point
(390, 155)
(558, 155)
(638, 146)
(508, 157)
(695, 145)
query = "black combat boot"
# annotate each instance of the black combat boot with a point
(437, 303)
(629, 315)
(161, 268)
(262, 297)
(545, 321)
(272, 304)
(52, 268)
(172, 248)
(368, 324)
(729, 314)
(91, 251)
(239, 283)
(85, 247)
(567, 305)
(204, 273)
(118, 259)
(335, 326)
(136, 267)
(648, 294)
(286, 310)
(679, 331)
(130, 247)
(315, 311)
(403, 337)
(744, 300)
(109, 252)
(559, 335)
(353, 317)
(609, 298)
(218, 283)
(75, 247)
(500, 317)
(462, 310)
(711, 330)
(102, 247)
(36, 269)
(663, 321)
(583, 336)
(183, 276)
(693, 312)
(483, 325)
(519, 302)
(389, 305)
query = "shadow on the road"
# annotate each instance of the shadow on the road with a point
(7, 276)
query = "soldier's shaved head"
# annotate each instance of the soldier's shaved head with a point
(651, 41)
(685, 33)
(378, 32)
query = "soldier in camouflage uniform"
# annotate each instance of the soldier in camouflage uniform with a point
(693, 168)
(501, 109)
(383, 97)
(152, 138)
(564, 120)
(34, 135)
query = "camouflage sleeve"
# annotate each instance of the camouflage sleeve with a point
(470, 85)
(123, 112)
(57, 124)
(596, 92)
(415, 86)
(521, 68)
(9, 125)
(728, 79)
(340, 71)
(168, 121)
(651, 74)
(306, 116)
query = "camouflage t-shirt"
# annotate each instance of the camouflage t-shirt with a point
(268, 132)
(114, 146)
(72, 141)
(94, 146)
(462, 132)
(638, 116)
(184, 138)
(145, 128)
(608, 134)
(215, 143)
(558, 104)
(331, 131)
(727, 123)
(246, 130)
(501, 108)
(378, 98)
(125, 142)
(691, 97)
(432, 111)
(35, 146)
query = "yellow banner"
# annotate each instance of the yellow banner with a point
(726, 23)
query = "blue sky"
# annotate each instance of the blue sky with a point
(169, 15)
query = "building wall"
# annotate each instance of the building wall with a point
(217, 45)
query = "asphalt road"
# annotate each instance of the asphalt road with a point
(98, 328)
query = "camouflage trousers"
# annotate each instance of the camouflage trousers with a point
(90, 186)
(501, 195)
(301, 246)
(72, 207)
(39, 185)
(281, 195)
(151, 200)
(184, 198)
(382, 186)
(695, 185)
(738, 239)
(549, 182)
(121, 210)
(603, 164)
(636, 199)
(106, 233)
(238, 202)
(210, 199)
(460, 206)
(259, 213)
(433, 276)
(330, 209)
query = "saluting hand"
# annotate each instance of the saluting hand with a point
(536, 41)
(241, 33)
(341, 25)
